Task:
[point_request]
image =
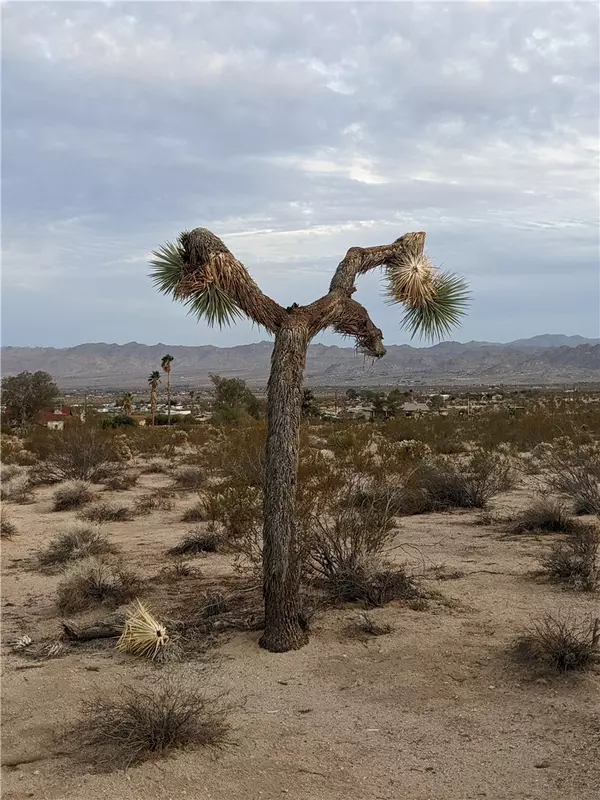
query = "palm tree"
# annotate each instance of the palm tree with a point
(201, 272)
(127, 403)
(153, 380)
(165, 363)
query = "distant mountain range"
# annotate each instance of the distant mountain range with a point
(548, 359)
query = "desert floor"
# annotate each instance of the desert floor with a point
(435, 710)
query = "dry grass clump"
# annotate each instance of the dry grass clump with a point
(214, 603)
(121, 481)
(154, 501)
(196, 542)
(142, 723)
(72, 495)
(365, 627)
(561, 644)
(8, 529)
(43, 474)
(574, 562)
(76, 543)
(175, 572)
(196, 513)
(188, 477)
(94, 581)
(143, 636)
(544, 516)
(107, 512)
(157, 466)
(17, 490)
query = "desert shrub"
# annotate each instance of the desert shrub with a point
(558, 643)
(371, 582)
(94, 581)
(242, 456)
(8, 529)
(43, 474)
(365, 626)
(196, 541)
(544, 516)
(107, 512)
(390, 500)
(188, 477)
(10, 448)
(10, 471)
(573, 470)
(575, 561)
(157, 466)
(18, 490)
(213, 603)
(471, 484)
(195, 513)
(153, 501)
(238, 510)
(76, 543)
(117, 421)
(142, 723)
(72, 495)
(121, 481)
(80, 452)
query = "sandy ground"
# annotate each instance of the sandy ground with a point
(433, 710)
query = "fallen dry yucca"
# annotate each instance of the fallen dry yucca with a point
(142, 635)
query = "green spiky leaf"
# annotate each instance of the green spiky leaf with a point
(437, 316)
(210, 303)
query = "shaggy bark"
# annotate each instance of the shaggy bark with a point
(281, 565)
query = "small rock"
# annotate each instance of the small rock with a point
(542, 765)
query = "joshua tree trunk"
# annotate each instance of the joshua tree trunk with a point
(281, 562)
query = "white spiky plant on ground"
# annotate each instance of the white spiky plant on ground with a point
(142, 634)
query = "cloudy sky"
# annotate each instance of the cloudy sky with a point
(294, 131)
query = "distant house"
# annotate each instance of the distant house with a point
(414, 409)
(53, 419)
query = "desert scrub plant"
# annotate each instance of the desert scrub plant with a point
(157, 466)
(121, 481)
(546, 515)
(18, 490)
(188, 477)
(144, 723)
(574, 561)
(196, 542)
(72, 495)
(154, 501)
(73, 544)
(80, 453)
(471, 484)
(559, 643)
(10, 471)
(106, 512)
(573, 471)
(8, 529)
(95, 581)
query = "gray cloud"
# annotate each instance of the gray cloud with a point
(296, 130)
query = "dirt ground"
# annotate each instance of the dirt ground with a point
(435, 710)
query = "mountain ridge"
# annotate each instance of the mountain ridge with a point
(548, 358)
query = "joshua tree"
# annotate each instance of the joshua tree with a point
(200, 271)
(127, 403)
(153, 380)
(166, 367)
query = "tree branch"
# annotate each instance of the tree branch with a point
(337, 310)
(208, 262)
